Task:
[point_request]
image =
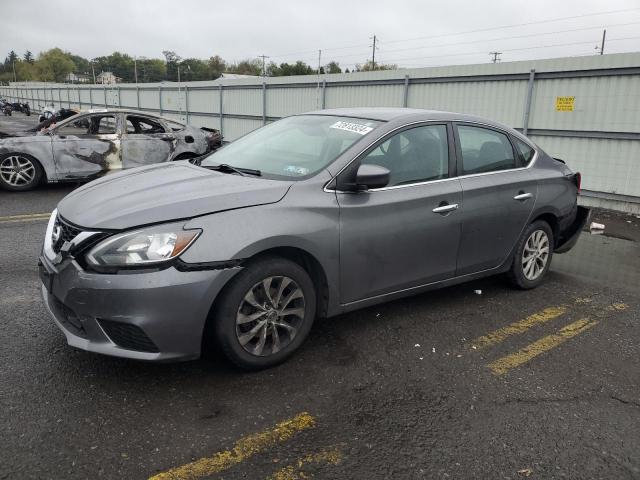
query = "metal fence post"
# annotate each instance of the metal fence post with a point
(186, 102)
(138, 96)
(119, 100)
(405, 98)
(324, 93)
(104, 89)
(90, 98)
(79, 99)
(527, 105)
(264, 103)
(59, 96)
(221, 114)
(160, 99)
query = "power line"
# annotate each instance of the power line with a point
(501, 27)
(486, 40)
(518, 49)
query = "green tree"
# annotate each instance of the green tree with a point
(172, 60)
(217, 66)
(333, 67)
(120, 64)
(246, 67)
(192, 69)
(53, 65)
(26, 71)
(151, 70)
(28, 56)
(369, 66)
(286, 69)
(82, 65)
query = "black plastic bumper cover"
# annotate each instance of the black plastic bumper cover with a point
(571, 235)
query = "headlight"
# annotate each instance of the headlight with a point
(143, 247)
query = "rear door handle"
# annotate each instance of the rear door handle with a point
(445, 208)
(523, 196)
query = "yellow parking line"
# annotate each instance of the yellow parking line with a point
(504, 364)
(25, 218)
(518, 327)
(244, 448)
(294, 471)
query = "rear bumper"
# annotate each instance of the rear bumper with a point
(153, 316)
(569, 237)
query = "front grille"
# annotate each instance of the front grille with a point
(67, 232)
(128, 336)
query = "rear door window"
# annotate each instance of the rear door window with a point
(484, 150)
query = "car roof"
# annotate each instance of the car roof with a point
(387, 114)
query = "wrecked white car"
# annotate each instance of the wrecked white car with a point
(97, 142)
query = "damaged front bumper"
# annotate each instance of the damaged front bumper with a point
(154, 316)
(570, 236)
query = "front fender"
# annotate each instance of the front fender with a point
(307, 222)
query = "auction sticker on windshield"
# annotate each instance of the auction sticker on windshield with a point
(352, 127)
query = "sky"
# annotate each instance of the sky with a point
(409, 33)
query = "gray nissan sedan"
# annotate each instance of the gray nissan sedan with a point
(311, 216)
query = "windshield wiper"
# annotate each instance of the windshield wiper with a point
(226, 168)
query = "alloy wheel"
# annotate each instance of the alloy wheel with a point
(270, 315)
(535, 254)
(17, 170)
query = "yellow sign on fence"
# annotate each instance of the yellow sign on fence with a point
(564, 104)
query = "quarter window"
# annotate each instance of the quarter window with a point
(484, 150)
(526, 151)
(415, 155)
(143, 125)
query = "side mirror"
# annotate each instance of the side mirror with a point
(372, 176)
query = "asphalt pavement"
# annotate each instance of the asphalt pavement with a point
(473, 381)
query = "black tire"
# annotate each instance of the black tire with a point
(223, 329)
(37, 173)
(517, 274)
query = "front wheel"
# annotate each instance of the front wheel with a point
(265, 313)
(19, 172)
(532, 256)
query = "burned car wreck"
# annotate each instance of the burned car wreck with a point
(95, 143)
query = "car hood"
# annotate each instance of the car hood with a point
(17, 134)
(164, 192)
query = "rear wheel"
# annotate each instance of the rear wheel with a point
(19, 172)
(265, 313)
(533, 256)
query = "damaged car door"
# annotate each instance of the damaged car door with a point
(145, 141)
(86, 146)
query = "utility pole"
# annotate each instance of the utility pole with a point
(318, 87)
(93, 71)
(264, 68)
(135, 69)
(15, 78)
(604, 36)
(495, 58)
(373, 54)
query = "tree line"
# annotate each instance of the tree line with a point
(55, 65)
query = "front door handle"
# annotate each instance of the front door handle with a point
(523, 196)
(445, 208)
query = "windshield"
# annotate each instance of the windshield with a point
(293, 147)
